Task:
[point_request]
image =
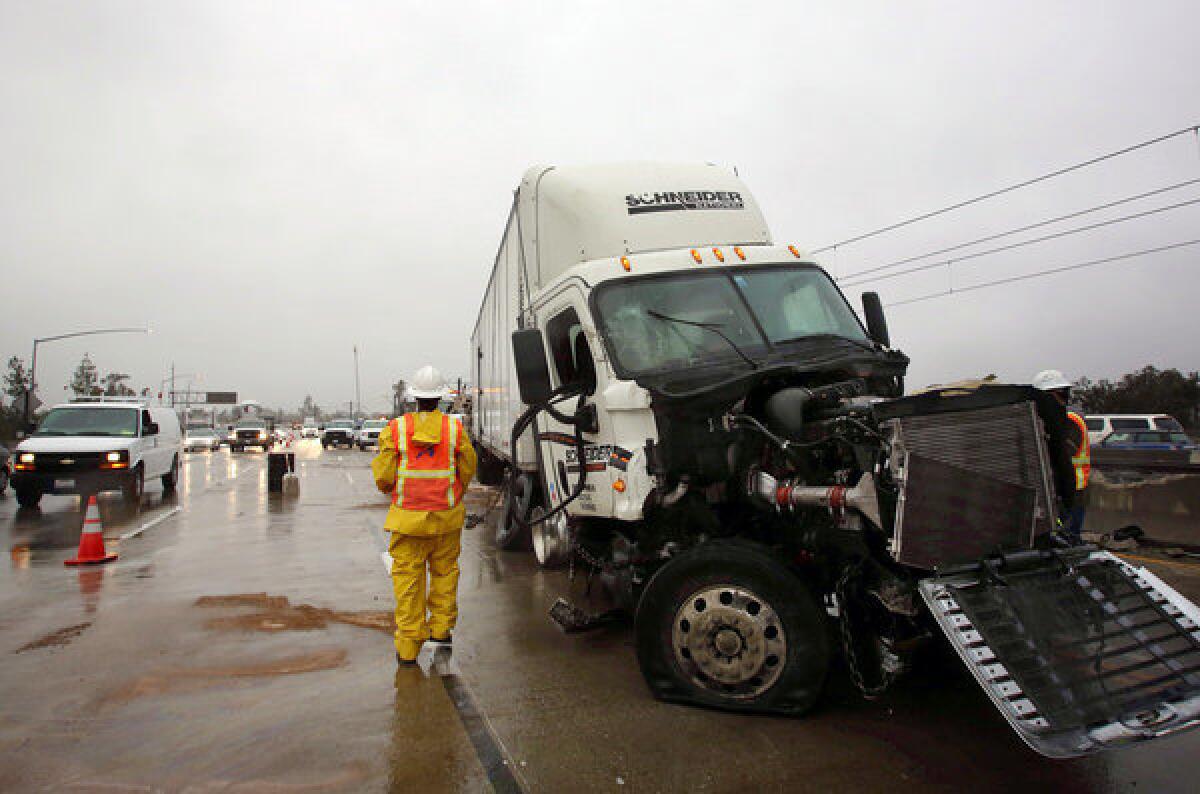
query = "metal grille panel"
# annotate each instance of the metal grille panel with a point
(962, 475)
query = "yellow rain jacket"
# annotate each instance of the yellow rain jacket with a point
(421, 522)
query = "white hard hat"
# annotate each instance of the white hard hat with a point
(428, 383)
(1050, 379)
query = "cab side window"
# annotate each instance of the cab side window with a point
(570, 350)
(146, 420)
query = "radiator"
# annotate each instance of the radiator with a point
(970, 483)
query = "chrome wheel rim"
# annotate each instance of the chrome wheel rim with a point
(729, 641)
(551, 541)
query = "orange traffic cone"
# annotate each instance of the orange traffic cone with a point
(91, 542)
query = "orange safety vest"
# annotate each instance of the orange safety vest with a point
(426, 476)
(1082, 459)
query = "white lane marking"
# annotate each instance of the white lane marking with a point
(152, 523)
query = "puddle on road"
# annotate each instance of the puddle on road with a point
(278, 614)
(55, 639)
(191, 679)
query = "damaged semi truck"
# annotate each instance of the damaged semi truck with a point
(697, 418)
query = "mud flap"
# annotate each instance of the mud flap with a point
(1078, 649)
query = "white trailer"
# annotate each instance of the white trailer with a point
(707, 426)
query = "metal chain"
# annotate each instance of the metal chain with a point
(886, 679)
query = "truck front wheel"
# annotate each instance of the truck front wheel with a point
(726, 625)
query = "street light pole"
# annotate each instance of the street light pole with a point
(33, 358)
(357, 387)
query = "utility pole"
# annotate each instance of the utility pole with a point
(172, 384)
(357, 386)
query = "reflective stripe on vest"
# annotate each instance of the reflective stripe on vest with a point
(426, 475)
(1082, 459)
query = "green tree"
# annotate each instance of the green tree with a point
(115, 385)
(17, 379)
(85, 381)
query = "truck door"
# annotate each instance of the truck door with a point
(572, 361)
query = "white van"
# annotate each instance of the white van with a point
(1100, 425)
(99, 444)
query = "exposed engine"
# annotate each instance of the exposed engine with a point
(861, 495)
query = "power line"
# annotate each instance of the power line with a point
(1050, 271)
(1020, 229)
(1057, 235)
(1195, 128)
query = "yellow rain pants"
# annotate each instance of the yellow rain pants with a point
(411, 555)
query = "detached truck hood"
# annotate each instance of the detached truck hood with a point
(1078, 649)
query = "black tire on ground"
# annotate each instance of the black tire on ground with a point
(171, 478)
(512, 535)
(490, 470)
(764, 632)
(28, 497)
(132, 492)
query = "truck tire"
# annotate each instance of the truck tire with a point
(171, 478)
(513, 534)
(727, 626)
(133, 490)
(28, 497)
(490, 470)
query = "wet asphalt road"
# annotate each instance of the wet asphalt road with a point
(241, 643)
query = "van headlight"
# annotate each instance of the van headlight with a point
(261, 434)
(118, 459)
(26, 457)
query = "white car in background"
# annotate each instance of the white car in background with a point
(368, 434)
(201, 438)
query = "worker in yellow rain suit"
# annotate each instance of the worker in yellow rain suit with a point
(425, 462)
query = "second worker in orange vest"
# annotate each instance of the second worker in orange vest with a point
(425, 462)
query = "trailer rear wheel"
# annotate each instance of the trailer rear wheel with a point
(513, 534)
(490, 470)
(726, 625)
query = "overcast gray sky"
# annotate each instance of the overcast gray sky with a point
(268, 184)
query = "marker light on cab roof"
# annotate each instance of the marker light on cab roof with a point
(696, 256)
(795, 251)
(720, 256)
(625, 263)
(741, 254)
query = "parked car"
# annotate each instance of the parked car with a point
(337, 433)
(251, 432)
(368, 434)
(99, 444)
(201, 438)
(1149, 440)
(1100, 426)
(5, 469)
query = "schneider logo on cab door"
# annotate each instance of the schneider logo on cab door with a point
(637, 203)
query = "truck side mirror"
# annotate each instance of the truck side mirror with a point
(876, 322)
(150, 429)
(533, 374)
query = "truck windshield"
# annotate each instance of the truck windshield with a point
(252, 424)
(90, 422)
(755, 309)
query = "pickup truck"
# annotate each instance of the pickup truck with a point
(337, 433)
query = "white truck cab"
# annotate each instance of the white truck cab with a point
(99, 444)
